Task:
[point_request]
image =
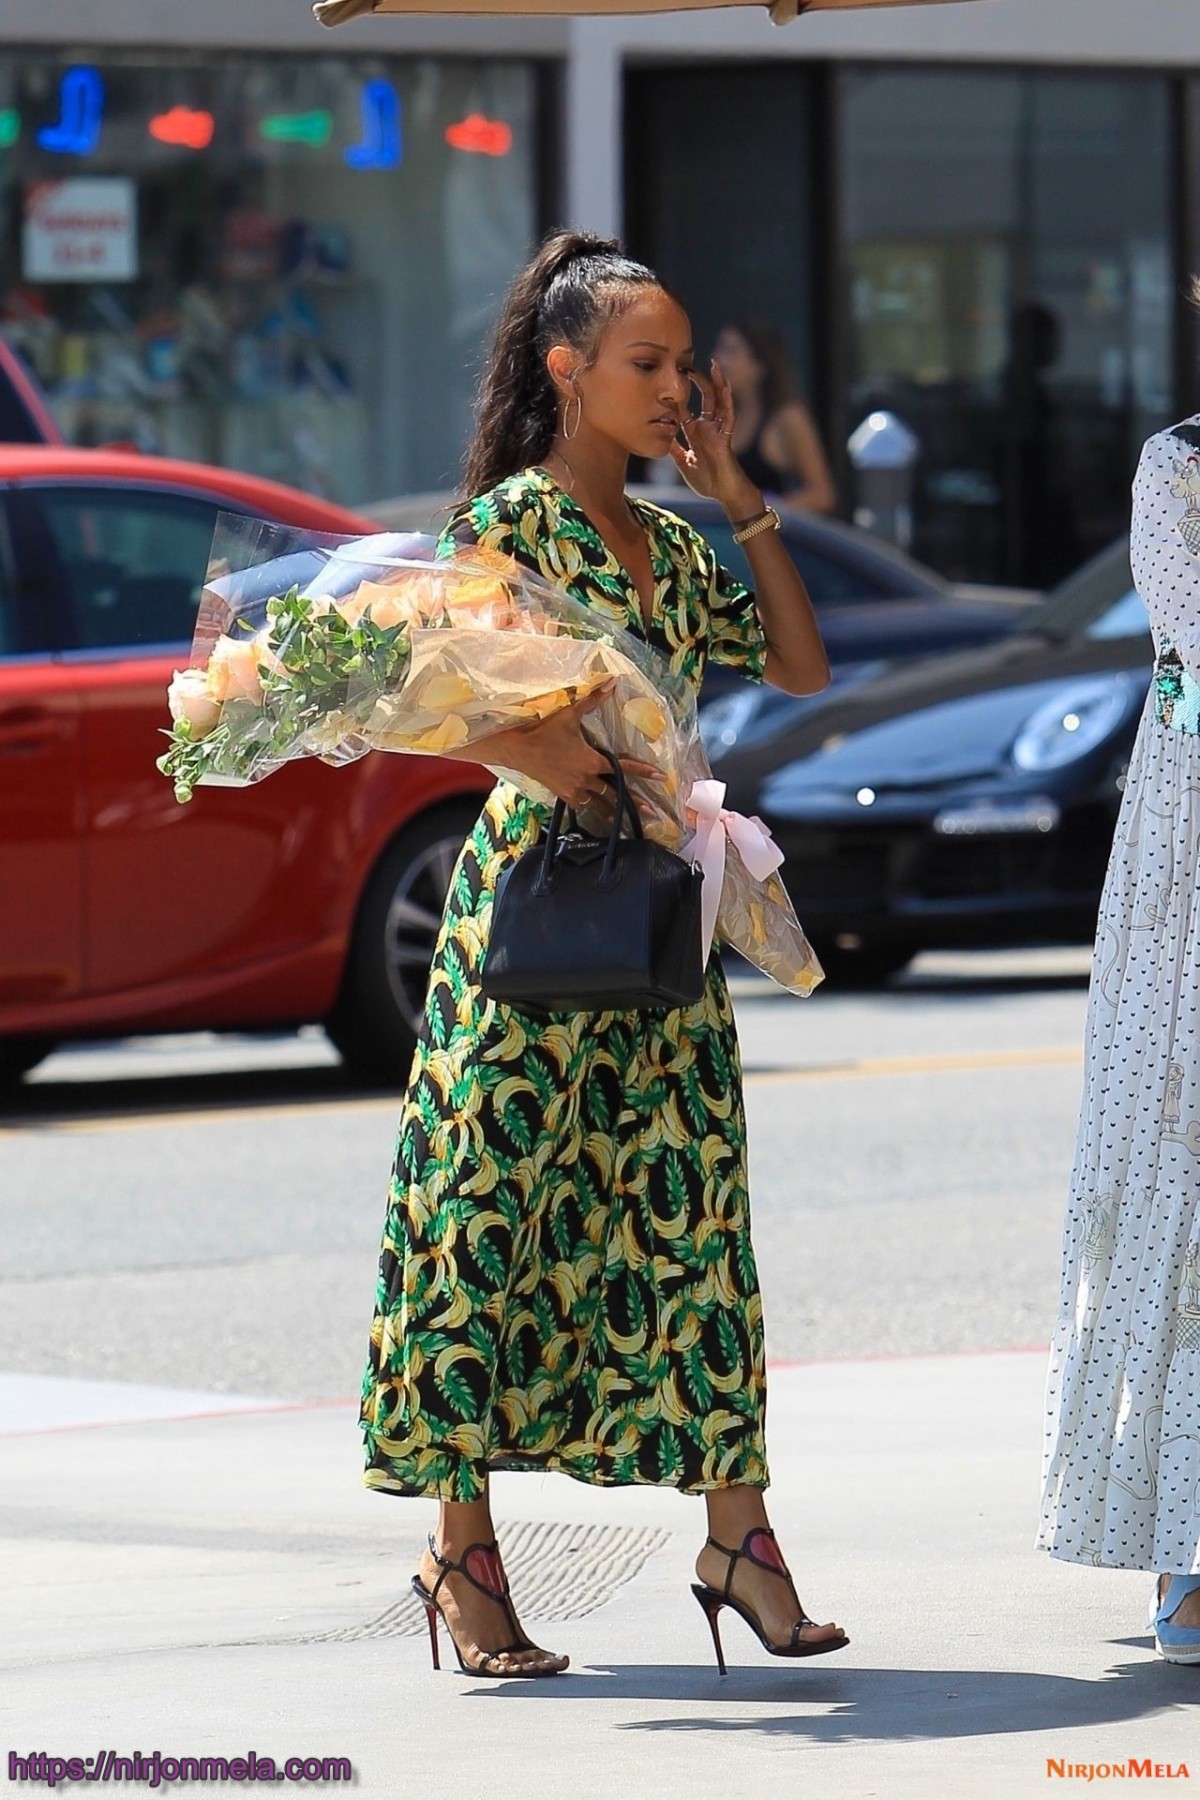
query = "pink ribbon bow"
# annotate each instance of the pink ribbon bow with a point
(714, 826)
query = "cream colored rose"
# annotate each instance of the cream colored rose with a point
(189, 699)
(265, 656)
(232, 672)
(392, 607)
(388, 604)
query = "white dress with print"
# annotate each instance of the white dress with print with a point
(1121, 1472)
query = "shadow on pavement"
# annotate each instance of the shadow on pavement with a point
(962, 987)
(49, 1102)
(923, 981)
(864, 1705)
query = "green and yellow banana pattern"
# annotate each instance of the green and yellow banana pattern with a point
(566, 1279)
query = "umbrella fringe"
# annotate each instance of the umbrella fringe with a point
(337, 12)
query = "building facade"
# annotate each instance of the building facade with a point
(281, 255)
(982, 217)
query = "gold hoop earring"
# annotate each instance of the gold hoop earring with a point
(578, 400)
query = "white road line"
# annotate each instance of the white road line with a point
(37, 1403)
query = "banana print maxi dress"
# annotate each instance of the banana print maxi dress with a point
(566, 1279)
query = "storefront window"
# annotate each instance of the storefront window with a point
(1011, 293)
(281, 265)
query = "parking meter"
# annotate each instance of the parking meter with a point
(883, 454)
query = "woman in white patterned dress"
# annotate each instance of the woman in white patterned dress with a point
(1121, 1479)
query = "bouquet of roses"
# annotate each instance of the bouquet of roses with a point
(336, 647)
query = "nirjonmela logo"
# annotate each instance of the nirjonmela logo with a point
(1142, 1768)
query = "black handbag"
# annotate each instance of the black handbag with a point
(588, 924)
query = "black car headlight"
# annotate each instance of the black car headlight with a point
(1075, 720)
(723, 721)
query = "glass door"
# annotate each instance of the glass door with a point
(722, 165)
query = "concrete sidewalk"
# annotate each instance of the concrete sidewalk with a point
(219, 1583)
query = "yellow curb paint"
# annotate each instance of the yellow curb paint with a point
(968, 1061)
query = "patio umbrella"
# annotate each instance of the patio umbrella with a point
(337, 12)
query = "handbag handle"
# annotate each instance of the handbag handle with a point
(624, 808)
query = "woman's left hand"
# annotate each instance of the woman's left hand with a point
(708, 465)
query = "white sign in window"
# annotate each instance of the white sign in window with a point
(81, 229)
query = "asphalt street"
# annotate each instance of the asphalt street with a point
(190, 1563)
(204, 1213)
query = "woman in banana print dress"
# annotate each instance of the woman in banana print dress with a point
(567, 1279)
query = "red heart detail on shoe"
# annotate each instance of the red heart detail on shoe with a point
(763, 1547)
(485, 1567)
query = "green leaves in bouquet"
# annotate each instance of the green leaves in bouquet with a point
(323, 662)
(321, 674)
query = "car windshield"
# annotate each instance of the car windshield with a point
(1127, 617)
(1097, 601)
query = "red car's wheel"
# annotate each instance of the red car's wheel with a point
(378, 1012)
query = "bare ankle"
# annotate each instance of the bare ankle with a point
(461, 1524)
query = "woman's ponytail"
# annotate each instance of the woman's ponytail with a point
(571, 289)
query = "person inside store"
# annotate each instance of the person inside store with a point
(777, 442)
(1121, 1466)
(567, 1280)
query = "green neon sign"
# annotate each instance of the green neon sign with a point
(312, 128)
(10, 127)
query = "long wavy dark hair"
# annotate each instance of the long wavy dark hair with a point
(575, 285)
(779, 385)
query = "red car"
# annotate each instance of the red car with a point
(315, 895)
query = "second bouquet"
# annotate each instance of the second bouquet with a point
(338, 647)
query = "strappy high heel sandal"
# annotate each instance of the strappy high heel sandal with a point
(481, 1565)
(711, 1601)
(1174, 1643)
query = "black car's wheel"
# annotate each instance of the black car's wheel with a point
(18, 1056)
(865, 965)
(378, 1011)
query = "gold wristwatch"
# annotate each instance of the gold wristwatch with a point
(766, 521)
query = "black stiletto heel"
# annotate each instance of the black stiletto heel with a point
(711, 1602)
(492, 1581)
(431, 1614)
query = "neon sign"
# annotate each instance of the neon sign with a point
(10, 127)
(184, 127)
(312, 128)
(81, 115)
(382, 145)
(483, 137)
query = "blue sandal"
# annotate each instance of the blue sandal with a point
(1175, 1643)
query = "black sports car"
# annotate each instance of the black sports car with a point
(967, 799)
(872, 601)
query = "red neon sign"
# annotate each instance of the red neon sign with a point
(185, 127)
(484, 137)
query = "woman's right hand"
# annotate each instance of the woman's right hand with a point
(556, 754)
